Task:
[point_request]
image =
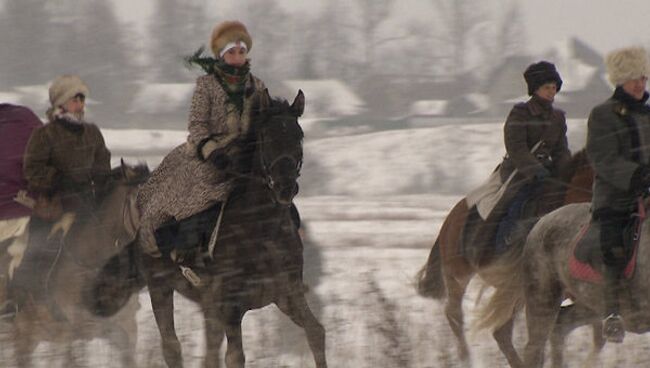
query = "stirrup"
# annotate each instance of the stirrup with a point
(190, 276)
(614, 328)
(8, 311)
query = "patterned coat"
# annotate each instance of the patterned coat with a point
(185, 183)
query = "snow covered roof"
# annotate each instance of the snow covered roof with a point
(326, 97)
(428, 107)
(155, 98)
(577, 63)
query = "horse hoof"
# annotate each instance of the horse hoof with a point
(614, 329)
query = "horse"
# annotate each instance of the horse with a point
(447, 272)
(257, 258)
(545, 258)
(83, 251)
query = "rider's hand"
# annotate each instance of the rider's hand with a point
(542, 174)
(220, 160)
(641, 179)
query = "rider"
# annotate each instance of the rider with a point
(618, 145)
(190, 181)
(16, 125)
(536, 149)
(66, 166)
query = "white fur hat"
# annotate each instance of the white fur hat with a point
(64, 88)
(627, 64)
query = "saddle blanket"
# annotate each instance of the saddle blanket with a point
(586, 253)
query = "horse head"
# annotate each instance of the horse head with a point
(272, 149)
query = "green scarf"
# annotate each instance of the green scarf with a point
(232, 79)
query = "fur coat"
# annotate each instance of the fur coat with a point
(185, 183)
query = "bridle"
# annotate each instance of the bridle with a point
(267, 167)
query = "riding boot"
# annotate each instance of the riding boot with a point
(613, 326)
(612, 225)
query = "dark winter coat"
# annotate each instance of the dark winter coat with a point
(527, 124)
(67, 159)
(16, 125)
(185, 183)
(618, 145)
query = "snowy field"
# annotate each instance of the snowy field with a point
(372, 205)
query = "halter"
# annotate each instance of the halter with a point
(267, 167)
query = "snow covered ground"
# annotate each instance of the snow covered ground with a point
(373, 205)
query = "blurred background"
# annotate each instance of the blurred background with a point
(406, 101)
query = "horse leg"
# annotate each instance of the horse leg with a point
(235, 350)
(454, 311)
(503, 337)
(542, 307)
(568, 319)
(295, 307)
(162, 303)
(214, 333)
(123, 341)
(599, 344)
(24, 346)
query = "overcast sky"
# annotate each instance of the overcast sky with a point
(604, 24)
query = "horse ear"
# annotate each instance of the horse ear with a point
(265, 99)
(127, 171)
(123, 168)
(298, 105)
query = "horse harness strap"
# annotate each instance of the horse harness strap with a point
(215, 232)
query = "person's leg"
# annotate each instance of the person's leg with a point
(612, 225)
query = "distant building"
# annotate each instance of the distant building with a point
(331, 107)
(583, 75)
(162, 105)
(325, 98)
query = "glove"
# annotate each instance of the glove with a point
(542, 174)
(641, 179)
(219, 159)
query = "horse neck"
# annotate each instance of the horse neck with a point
(93, 240)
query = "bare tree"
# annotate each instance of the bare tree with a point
(458, 20)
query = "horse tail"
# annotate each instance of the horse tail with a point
(113, 286)
(430, 283)
(506, 275)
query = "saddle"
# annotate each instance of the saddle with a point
(188, 237)
(585, 261)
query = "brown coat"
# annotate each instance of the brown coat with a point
(184, 183)
(526, 125)
(66, 159)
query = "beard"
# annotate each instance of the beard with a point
(73, 117)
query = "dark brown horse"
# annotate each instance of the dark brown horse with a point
(94, 238)
(257, 259)
(447, 272)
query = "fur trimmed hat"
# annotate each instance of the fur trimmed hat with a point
(227, 32)
(538, 74)
(65, 87)
(627, 64)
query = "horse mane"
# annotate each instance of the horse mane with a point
(130, 174)
(279, 106)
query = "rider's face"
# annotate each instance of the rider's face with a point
(635, 87)
(236, 56)
(75, 105)
(547, 91)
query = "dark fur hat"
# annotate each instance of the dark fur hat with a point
(538, 74)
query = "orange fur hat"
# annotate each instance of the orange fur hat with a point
(229, 31)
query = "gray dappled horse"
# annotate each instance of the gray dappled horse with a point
(257, 259)
(538, 277)
(92, 240)
(447, 272)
